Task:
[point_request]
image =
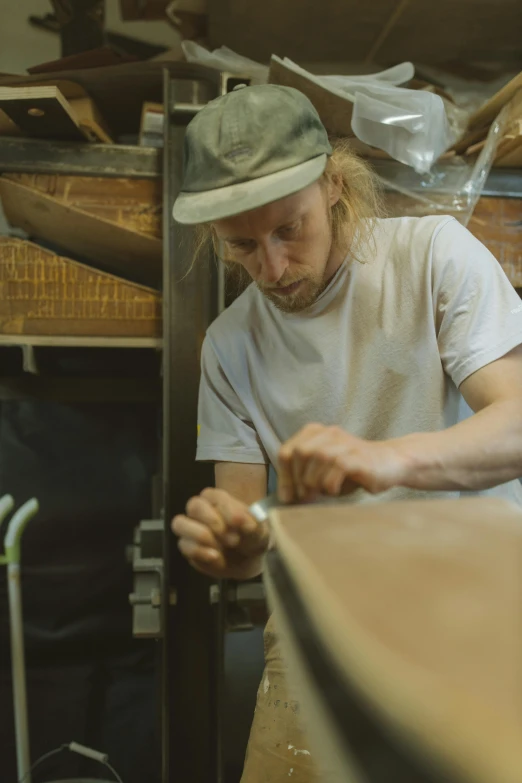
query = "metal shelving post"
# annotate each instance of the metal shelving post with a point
(192, 670)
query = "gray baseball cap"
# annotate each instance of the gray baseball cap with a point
(248, 148)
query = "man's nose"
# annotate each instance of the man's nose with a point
(273, 262)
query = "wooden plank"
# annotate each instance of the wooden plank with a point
(7, 126)
(90, 121)
(416, 606)
(490, 110)
(64, 341)
(135, 204)
(41, 112)
(121, 251)
(469, 138)
(118, 90)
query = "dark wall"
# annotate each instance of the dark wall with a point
(90, 465)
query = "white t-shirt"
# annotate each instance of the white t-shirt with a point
(380, 353)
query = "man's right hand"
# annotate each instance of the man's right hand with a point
(219, 536)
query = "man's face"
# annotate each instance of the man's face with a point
(285, 246)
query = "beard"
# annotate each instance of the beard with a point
(313, 282)
(307, 293)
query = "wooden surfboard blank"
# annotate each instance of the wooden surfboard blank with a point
(419, 606)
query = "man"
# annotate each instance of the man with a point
(370, 356)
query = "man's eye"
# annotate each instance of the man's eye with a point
(241, 244)
(288, 232)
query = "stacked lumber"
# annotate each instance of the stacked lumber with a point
(509, 147)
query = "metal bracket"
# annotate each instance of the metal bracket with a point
(147, 597)
(241, 597)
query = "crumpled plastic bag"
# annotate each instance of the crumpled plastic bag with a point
(410, 125)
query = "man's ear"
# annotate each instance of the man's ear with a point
(335, 188)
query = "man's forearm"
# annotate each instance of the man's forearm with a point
(480, 452)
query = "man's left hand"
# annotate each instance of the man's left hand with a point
(322, 460)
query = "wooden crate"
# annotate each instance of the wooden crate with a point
(45, 294)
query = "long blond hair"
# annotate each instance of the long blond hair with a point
(361, 202)
(352, 217)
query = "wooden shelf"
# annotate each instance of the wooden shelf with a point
(56, 341)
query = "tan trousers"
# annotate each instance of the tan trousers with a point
(278, 749)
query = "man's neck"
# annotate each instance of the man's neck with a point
(334, 263)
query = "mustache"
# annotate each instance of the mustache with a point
(283, 283)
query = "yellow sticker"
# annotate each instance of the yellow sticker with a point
(199, 428)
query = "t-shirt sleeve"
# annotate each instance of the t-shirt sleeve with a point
(478, 313)
(225, 433)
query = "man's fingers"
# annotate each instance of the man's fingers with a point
(203, 510)
(318, 459)
(233, 512)
(310, 456)
(184, 527)
(333, 481)
(292, 461)
(204, 556)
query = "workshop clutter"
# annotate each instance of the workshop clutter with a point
(84, 255)
(433, 147)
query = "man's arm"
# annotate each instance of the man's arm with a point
(480, 452)
(245, 482)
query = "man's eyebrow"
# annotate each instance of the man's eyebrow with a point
(295, 218)
(236, 239)
(292, 218)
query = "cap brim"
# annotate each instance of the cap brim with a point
(192, 208)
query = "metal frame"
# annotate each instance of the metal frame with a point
(501, 183)
(194, 629)
(20, 155)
